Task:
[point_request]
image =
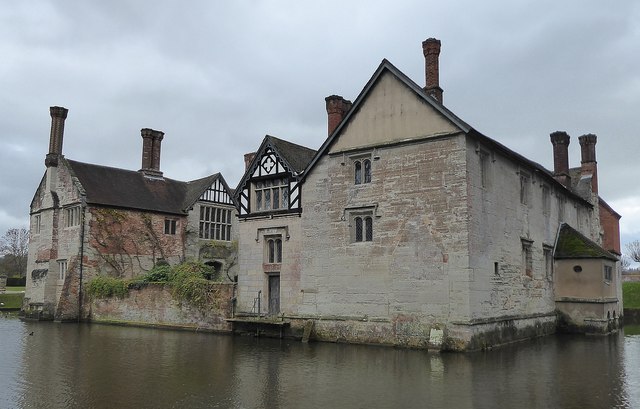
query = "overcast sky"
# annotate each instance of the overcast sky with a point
(217, 76)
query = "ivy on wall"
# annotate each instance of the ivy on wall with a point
(123, 239)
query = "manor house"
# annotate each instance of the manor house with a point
(406, 226)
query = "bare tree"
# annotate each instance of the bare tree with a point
(633, 250)
(625, 263)
(14, 245)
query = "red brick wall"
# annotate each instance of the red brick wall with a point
(611, 226)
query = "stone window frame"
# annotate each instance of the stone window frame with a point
(362, 168)
(525, 187)
(170, 226)
(72, 216)
(361, 227)
(271, 194)
(547, 251)
(214, 223)
(608, 273)
(62, 269)
(527, 256)
(273, 249)
(546, 199)
(36, 224)
(485, 158)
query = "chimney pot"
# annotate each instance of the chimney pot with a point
(151, 147)
(337, 108)
(431, 52)
(248, 158)
(588, 164)
(58, 116)
(560, 141)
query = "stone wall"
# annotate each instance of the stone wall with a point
(501, 222)
(413, 276)
(154, 305)
(52, 242)
(255, 270)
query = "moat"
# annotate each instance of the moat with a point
(51, 365)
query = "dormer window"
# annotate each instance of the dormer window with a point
(272, 194)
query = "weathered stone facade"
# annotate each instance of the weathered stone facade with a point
(154, 305)
(406, 227)
(416, 230)
(89, 220)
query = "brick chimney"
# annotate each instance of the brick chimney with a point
(337, 108)
(431, 51)
(248, 158)
(58, 116)
(560, 141)
(151, 144)
(588, 164)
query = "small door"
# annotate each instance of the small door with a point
(274, 294)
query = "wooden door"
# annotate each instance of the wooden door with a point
(274, 294)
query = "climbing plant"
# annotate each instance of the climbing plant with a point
(187, 282)
(123, 239)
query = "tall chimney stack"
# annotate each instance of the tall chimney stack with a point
(58, 116)
(431, 51)
(248, 158)
(588, 163)
(151, 144)
(560, 141)
(337, 108)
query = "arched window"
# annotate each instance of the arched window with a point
(274, 250)
(278, 258)
(367, 171)
(358, 221)
(361, 227)
(271, 252)
(358, 172)
(362, 171)
(368, 227)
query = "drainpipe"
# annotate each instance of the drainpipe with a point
(84, 208)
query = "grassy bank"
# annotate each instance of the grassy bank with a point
(631, 295)
(11, 300)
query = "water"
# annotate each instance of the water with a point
(99, 366)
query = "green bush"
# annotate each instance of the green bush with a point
(158, 274)
(105, 287)
(188, 281)
(631, 295)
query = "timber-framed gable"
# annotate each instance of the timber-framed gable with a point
(272, 182)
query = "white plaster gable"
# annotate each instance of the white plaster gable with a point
(392, 112)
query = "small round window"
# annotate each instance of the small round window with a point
(577, 269)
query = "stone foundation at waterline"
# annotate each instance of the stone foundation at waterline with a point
(154, 306)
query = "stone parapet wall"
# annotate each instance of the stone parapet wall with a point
(155, 306)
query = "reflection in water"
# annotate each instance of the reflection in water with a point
(96, 366)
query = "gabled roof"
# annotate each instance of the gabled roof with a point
(107, 186)
(294, 157)
(196, 188)
(386, 66)
(573, 244)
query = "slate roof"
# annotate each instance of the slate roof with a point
(296, 156)
(107, 186)
(573, 244)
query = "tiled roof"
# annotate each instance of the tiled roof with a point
(107, 186)
(296, 156)
(573, 244)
